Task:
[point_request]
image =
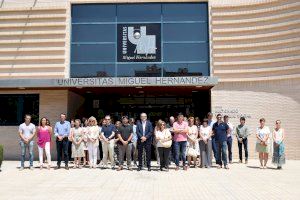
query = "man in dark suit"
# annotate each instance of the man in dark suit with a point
(144, 131)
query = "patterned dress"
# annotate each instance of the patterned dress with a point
(77, 150)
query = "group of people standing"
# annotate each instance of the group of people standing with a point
(181, 141)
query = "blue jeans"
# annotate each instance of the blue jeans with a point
(221, 152)
(214, 148)
(24, 147)
(180, 149)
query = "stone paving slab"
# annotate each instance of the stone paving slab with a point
(239, 182)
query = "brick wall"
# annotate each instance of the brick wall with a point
(271, 100)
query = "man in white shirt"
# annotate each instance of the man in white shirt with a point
(26, 133)
(213, 141)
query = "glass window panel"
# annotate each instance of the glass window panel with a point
(139, 12)
(186, 52)
(185, 32)
(100, 70)
(17, 106)
(93, 13)
(93, 33)
(139, 70)
(93, 53)
(185, 12)
(185, 69)
(31, 106)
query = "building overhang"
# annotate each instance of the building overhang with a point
(197, 81)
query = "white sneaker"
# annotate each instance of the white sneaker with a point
(21, 168)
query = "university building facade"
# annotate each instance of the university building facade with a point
(96, 57)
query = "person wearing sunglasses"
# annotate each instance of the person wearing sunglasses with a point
(144, 132)
(221, 131)
(164, 141)
(93, 141)
(108, 135)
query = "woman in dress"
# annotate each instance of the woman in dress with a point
(84, 126)
(164, 141)
(93, 141)
(279, 148)
(44, 133)
(263, 143)
(77, 136)
(192, 152)
(205, 144)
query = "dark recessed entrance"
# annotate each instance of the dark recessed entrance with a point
(157, 102)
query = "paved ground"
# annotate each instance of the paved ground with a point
(240, 182)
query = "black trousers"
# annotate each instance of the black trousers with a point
(240, 145)
(62, 147)
(100, 151)
(164, 154)
(147, 147)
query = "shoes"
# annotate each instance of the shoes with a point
(57, 167)
(120, 168)
(219, 166)
(177, 168)
(246, 161)
(240, 161)
(149, 169)
(21, 168)
(226, 167)
(185, 168)
(139, 168)
(31, 167)
(67, 167)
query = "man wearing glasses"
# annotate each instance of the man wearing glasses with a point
(144, 131)
(108, 136)
(221, 131)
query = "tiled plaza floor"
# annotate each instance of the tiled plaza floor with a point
(239, 182)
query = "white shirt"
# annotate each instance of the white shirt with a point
(263, 132)
(211, 123)
(162, 135)
(205, 131)
(27, 130)
(231, 128)
(144, 127)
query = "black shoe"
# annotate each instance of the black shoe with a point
(57, 167)
(149, 169)
(139, 169)
(161, 169)
(67, 167)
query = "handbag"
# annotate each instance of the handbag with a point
(192, 152)
(166, 144)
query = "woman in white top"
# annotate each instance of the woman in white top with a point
(192, 152)
(84, 125)
(205, 144)
(93, 141)
(164, 141)
(279, 148)
(263, 143)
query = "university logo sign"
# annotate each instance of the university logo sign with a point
(139, 43)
